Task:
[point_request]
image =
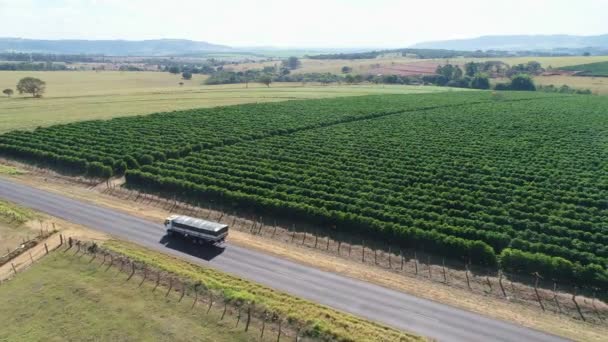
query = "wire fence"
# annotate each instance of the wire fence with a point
(531, 290)
(259, 321)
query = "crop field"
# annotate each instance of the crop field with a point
(511, 179)
(592, 69)
(87, 95)
(124, 143)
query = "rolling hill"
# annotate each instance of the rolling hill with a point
(519, 42)
(157, 47)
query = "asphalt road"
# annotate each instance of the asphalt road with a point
(393, 308)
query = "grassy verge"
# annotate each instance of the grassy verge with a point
(10, 171)
(63, 297)
(319, 320)
(13, 228)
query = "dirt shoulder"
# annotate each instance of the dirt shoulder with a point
(526, 315)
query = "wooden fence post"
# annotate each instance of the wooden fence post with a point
(225, 309)
(401, 258)
(157, 281)
(536, 290)
(293, 235)
(363, 253)
(555, 297)
(14, 269)
(46, 248)
(145, 276)
(111, 263)
(263, 325)
(578, 308)
(304, 238)
(466, 273)
(170, 287)
(428, 262)
(327, 247)
(339, 245)
(502, 288)
(445, 276)
(316, 239)
(279, 333)
(183, 292)
(597, 312)
(248, 318)
(210, 302)
(416, 263)
(132, 270)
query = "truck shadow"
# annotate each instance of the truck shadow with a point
(205, 252)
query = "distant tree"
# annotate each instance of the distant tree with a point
(534, 67)
(187, 75)
(31, 85)
(292, 63)
(265, 79)
(480, 81)
(174, 69)
(269, 69)
(522, 82)
(471, 69)
(181, 84)
(350, 79)
(8, 92)
(346, 69)
(457, 73)
(587, 54)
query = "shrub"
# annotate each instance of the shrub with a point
(522, 82)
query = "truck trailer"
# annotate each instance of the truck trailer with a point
(198, 230)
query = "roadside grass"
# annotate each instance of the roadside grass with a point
(81, 95)
(13, 228)
(10, 171)
(316, 317)
(65, 298)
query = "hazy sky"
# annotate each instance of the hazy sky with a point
(306, 23)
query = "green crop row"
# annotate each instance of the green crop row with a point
(518, 180)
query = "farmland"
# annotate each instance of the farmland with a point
(511, 178)
(124, 143)
(591, 69)
(87, 95)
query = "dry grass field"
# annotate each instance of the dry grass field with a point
(65, 298)
(74, 95)
(361, 66)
